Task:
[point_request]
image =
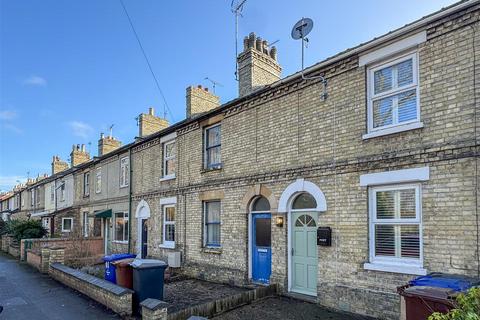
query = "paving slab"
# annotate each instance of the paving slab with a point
(285, 308)
(27, 294)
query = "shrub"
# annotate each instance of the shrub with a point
(25, 229)
(8, 227)
(467, 307)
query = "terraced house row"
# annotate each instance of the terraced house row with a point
(340, 199)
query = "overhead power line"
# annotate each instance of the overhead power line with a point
(148, 62)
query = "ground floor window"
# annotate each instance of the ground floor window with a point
(395, 225)
(67, 224)
(212, 223)
(169, 225)
(85, 224)
(121, 226)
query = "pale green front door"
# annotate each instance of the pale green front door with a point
(304, 253)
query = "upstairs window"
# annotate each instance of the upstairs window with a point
(213, 156)
(393, 97)
(32, 197)
(395, 225)
(62, 191)
(52, 193)
(124, 174)
(86, 184)
(169, 154)
(98, 181)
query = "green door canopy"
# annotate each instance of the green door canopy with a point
(104, 214)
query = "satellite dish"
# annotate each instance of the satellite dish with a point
(299, 32)
(302, 28)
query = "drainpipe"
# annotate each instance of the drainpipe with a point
(130, 182)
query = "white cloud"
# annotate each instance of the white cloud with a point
(12, 128)
(35, 81)
(7, 115)
(80, 129)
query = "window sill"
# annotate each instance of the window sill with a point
(121, 187)
(120, 242)
(167, 246)
(166, 178)
(392, 130)
(214, 250)
(66, 231)
(397, 268)
(204, 170)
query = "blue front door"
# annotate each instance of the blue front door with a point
(261, 247)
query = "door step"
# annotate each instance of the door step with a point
(299, 296)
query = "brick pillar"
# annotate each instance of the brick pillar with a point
(22, 250)
(57, 255)
(44, 260)
(153, 309)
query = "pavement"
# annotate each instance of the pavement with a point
(285, 308)
(27, 294)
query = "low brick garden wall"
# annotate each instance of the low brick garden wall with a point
(34, 259)
(114, 297)
(14, 250)
(78, 252)
(6, 240)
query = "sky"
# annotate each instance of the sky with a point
(71, 69)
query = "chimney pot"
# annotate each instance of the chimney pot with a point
(267, 69)
(258, 44)
(206, 89)
(151, 111)
(102, 135)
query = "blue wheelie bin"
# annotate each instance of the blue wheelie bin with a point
(110, 267)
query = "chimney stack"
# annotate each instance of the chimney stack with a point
(149, 123)
(257, 65)
(58, 165)
(78, 155)
(107, 144)
(200, 100)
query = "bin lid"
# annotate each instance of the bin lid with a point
(118, 256)
(147, 263)
(430, 292)
(443, 280)
(123, 262)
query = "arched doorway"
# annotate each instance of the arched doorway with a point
(142, 214)
(304, 255)
(302, 201)
(260, 240)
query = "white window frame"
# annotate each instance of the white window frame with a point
(62, 191)
(85, 223)
(165, 159)
(395, 126)
(205, 235)
(86, 184)
(395, 264)
(124, 174)
(125, 230)
(52, 193)
(205, 149)
(165, 243)
(63, 225)
(98, 180)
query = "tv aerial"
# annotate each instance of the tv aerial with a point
(299, 32)
(237, 7)
(214, 83)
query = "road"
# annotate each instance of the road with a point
(27, 294)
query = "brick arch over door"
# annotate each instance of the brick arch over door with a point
(301, 185)
(259, 190)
